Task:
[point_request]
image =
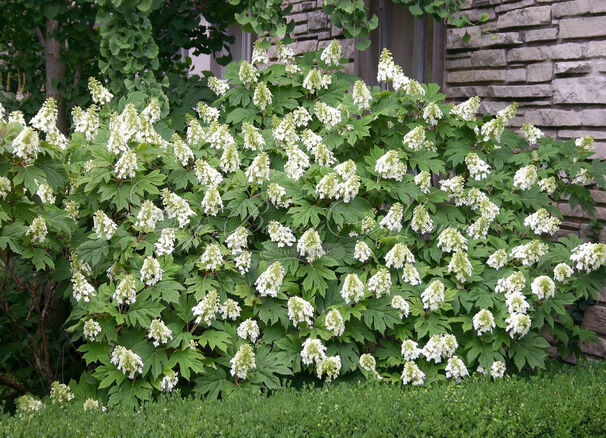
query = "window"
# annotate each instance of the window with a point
(417, 44)
(240, 49)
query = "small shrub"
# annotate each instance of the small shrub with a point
(560, 402)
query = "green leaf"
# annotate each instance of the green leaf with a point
(530, 350)
(188, 360)
(93, 251)
(215, 339)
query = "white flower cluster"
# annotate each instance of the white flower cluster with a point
(82, 289)
(412, 374)
(400, 304)
(27, 403)
(440, 347)
(300, 311)
(531, 133)
(456, 369)
(218, 86)
(352, 289)
(258, 171)
(460, 266)
(393, 219)
(380, 283)
(327, 115)
(243, 361)
(497, 259)
(361, 95)
(589, 257)
(313, 351)
(104, 227)
(177, 208)
(362, 251)
(310, 245)
(529, 253)
(467, 110)
(5, 187)
(262, 97)
(166, 242)
(91, 330)
(26, 145)
(432, 113)
(126, 166)
(151, 272)
(127, 361)
(149, 215)
(423, 181)
(543, 287)
(316, 81)
(331, 55)
(451, 240)
(60, 393)
(478, 168)
(433, 295)
(421, 221)
(212, 202)
(37, 230)
(369, 364)
(159, 332)
(561, 272)
(415, 139)
(169, 381)
(389, 166)
(398, 255)
(525, 177)
(98, 92)
(334, 322)
(542, 222)
(329, 366)
(483, 322)
(518, 324)
(126, 291)
(206, 310)
(249, 329)
(230, 309)
(269, 282)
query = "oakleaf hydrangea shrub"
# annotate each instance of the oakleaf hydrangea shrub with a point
(306, 226)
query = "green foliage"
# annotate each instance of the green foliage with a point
(214, 186)
(564, 401)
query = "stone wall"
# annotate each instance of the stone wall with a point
(550, 57)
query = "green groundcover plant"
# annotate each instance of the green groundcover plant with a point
(558, 402)
(303, 225)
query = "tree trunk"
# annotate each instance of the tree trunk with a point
(55, 70)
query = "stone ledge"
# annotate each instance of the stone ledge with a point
(595, 319)
(600, 213)
(478, 39)
(583, 27)
(579, 90)
(510, 6)
(475, 76)
(595, 348)
(578, 7)
(526, 17)
(549, 34)
(520, 91)
(572, 68)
